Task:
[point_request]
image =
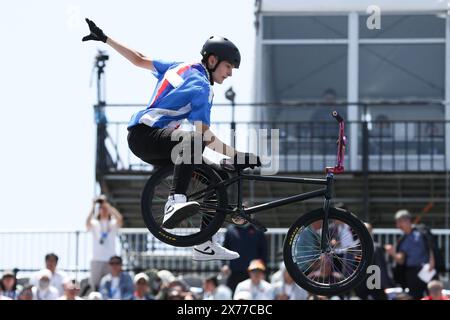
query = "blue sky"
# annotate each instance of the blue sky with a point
(47, 131)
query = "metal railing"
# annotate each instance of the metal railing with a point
(308, 145)
(26, 250)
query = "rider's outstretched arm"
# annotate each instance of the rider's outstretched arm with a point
(136, 58)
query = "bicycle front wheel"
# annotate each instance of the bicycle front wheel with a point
(338, 267)
(196, 229)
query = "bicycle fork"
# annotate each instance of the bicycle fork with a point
(324, 245)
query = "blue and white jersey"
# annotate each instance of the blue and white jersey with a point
(182, 92)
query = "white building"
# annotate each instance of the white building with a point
(358, 52)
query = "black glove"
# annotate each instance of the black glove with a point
(246, 160)
(96, 33)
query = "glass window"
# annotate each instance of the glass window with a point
(296, 72)
(404, 26)
(402, 71)
(302, 27)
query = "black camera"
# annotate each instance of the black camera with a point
(101, 56)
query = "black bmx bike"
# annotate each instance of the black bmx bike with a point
(326, 251)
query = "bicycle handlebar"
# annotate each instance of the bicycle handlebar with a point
(337, 116)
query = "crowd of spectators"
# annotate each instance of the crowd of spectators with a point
(247, 278)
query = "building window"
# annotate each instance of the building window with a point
(304, 72)
(304, 27)
(404, 26)
(396, 71)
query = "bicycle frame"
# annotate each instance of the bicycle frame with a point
(326, 191)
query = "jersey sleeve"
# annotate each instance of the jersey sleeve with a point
(201, 106)
(161, 66)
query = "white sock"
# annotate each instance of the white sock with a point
(178, 198)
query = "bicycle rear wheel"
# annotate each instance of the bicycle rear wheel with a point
(343, 264)
(196, 229)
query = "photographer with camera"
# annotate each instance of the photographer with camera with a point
(103, 221)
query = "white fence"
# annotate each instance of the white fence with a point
(26, 249)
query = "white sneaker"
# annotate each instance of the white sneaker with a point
(177, 210)
(212, 251)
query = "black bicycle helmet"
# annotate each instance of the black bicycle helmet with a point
(223, 48)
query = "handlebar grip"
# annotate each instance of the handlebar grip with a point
(337, 116)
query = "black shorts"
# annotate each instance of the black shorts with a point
(151, 145)
(154, 145)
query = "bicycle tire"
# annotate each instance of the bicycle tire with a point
(164, 234)
(301, 278)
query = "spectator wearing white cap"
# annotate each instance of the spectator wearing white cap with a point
(104, 222)
(58, 278)
(141, 287)
(259, 288)
(43, 290)
(8, 285)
